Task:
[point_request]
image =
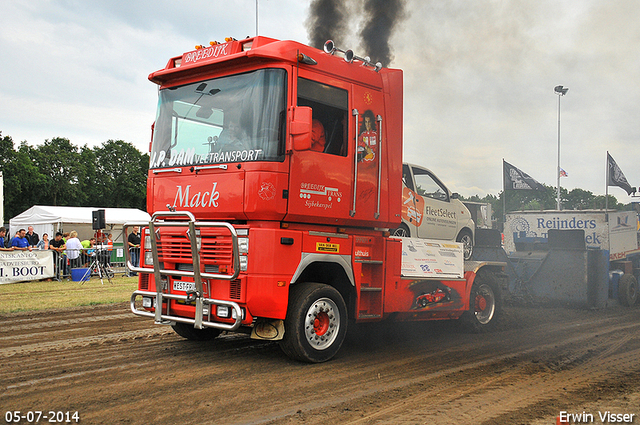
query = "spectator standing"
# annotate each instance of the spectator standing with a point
(106, 248)
(32, 236)
(74, 248)
(44, 242)
(3, 232)
(87, 250)
(20, 242)
(134, 248)
(58, 246)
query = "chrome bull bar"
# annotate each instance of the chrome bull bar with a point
(168, 317)
(157, 221)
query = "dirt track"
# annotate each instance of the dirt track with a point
(113, 367)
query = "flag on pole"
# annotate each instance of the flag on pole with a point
(615, 176)
(563, 173)
(516, 179)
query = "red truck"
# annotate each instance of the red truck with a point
(275, 183)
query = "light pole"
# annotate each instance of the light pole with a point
(560, 91)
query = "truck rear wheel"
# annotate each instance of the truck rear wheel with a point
(628, 290)
(485, 303)
(316, 323)
(187, 331)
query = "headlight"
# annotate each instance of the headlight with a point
(243, 245)
(148, 258)
(222, 311)
(243, 263)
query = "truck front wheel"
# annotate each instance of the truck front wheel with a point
(485, 303)
(316, 323)
(189, 332)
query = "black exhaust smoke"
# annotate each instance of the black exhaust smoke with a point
(327, 21)
(381, 17)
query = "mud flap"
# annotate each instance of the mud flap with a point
(268, 329)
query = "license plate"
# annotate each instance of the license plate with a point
(183, 286)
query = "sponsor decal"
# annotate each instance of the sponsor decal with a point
(362, 252)
(267, 191)
(413, 214)
(327, 247)
(326, 194)
(206, 53)
(439, 212)
(430, 295)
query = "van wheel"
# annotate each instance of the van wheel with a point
(485, 303)
(402, 231)
(316, 323)
(466, 239)
(627, 290)
(187, 331)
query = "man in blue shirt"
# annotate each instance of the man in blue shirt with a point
(3, 232)
(20, 242)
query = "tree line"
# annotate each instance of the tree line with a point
(112, 175)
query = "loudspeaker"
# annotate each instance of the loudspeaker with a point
(98, 219)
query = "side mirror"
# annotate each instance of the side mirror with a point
(300, 127)
(455, 195)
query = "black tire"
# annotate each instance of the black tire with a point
(466, 239)
(316, 323)
(627, 290)
(402, 231)
(187, 331)
(485, 303)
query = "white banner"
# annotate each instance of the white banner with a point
(20, 266)
(426, 258)
(619, 235)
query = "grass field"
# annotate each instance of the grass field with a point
(43, 295)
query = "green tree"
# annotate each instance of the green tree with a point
(22, 180)
(121, 175)
(579, 199)
(60, 161)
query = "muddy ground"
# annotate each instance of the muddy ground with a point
(115, 368)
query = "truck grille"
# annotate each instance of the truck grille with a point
(216, 249)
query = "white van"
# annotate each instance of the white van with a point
(431, 211)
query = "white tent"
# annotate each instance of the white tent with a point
(48, 219)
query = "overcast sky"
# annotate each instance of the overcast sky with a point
(479, 77)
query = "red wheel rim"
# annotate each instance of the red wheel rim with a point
(321, 323)
(481, 303)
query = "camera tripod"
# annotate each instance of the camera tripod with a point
(101, 268)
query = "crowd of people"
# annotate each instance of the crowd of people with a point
(69, 251)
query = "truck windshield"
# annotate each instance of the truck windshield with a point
(230, 119)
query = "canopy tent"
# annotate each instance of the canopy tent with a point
(48, 219)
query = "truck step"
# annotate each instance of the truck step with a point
(369, 289)
(369, 316)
